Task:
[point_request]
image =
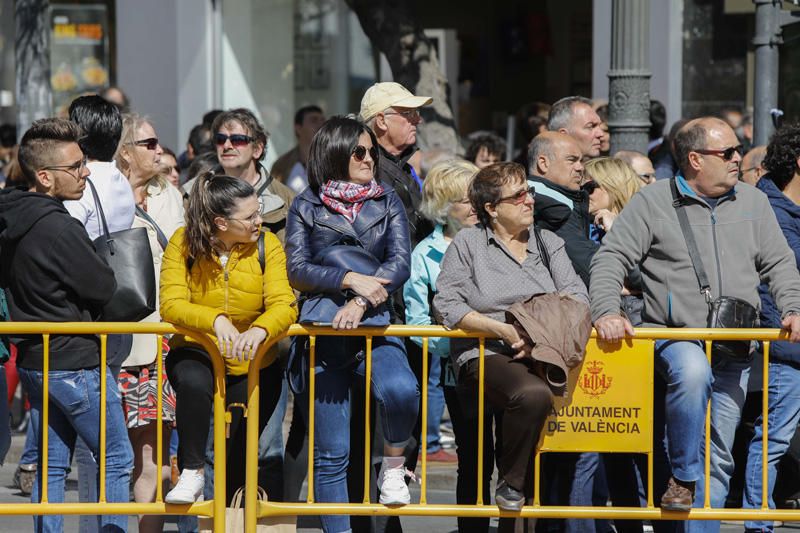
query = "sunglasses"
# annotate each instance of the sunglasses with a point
(150, 143)
(237, 139)
(519, 196)
(726, 154)
(411, 115)
(360, 153)
(590, 187)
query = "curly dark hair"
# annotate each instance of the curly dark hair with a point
(494, 144)
(782, 153)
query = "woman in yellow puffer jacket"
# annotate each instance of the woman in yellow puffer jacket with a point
(213, 280)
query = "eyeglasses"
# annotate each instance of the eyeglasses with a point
(150, 143)
(237, 139)
(253, 220)
(412, 115)
(518, 197)
(647, 176)
(726, 153)
(360, 153)
(590, 187)
(69, 169)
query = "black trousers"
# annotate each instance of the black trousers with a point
(462, 404)
(192, 376)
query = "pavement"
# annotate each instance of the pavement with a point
(441, 489)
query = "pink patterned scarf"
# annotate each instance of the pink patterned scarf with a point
(348, 198)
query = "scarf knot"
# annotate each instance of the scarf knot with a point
(348, 198)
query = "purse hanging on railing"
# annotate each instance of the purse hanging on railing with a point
(128, 254)
(724, 311)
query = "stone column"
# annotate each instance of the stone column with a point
(32, 56)
(629, 77)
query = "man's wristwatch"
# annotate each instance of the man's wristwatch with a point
(361, 302)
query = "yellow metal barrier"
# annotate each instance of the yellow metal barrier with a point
(606, 376)
(214, 508)
(615, 378)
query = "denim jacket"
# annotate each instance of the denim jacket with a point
(380, 228)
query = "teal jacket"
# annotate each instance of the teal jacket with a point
(421, 286)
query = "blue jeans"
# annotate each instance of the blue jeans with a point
(394, 387)
(75, 411)
(435, 404)
(88, 470)
(589, 489)
(691, 381)
(784, 414)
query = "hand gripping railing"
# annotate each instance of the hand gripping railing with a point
(639, 347)
(214, 508)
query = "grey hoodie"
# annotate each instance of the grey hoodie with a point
(739, 240)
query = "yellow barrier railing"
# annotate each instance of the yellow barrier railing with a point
(598, 354)
(641, 345)
(214, 508)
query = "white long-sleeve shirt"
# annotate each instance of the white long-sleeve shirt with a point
(115, 196)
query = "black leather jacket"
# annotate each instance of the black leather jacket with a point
(380, 228)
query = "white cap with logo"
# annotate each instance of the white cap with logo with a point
(389, 94)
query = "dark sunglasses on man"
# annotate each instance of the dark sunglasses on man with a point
(237, 140)
(726, 153)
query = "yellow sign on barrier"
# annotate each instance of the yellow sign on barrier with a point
(610, 406)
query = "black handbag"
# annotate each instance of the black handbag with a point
(128, 254)
(724, 311)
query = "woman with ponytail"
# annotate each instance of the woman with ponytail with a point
(348, 249)
(221, 275)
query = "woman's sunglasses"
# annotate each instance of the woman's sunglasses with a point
(518, 197)
(237, 140)
(150, 143)
(360, 153)
(590, 187)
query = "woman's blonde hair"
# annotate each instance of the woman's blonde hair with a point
(446, 183)
(616, 177)
(131, 122)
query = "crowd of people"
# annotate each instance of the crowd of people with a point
(355, 226)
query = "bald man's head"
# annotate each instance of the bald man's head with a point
(752, 168)
(556, 157)
(640, 164)
(709, 156)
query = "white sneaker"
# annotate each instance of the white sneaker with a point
(189, 487)
(392, 483)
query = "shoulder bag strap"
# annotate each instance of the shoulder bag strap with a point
(543, 253)
(261, 253)
(99, 208)
(691, 244)
(264, 186)
(162, 239)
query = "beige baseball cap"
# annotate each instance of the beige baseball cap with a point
(389, 94)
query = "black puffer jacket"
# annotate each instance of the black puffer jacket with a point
(552, 211)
